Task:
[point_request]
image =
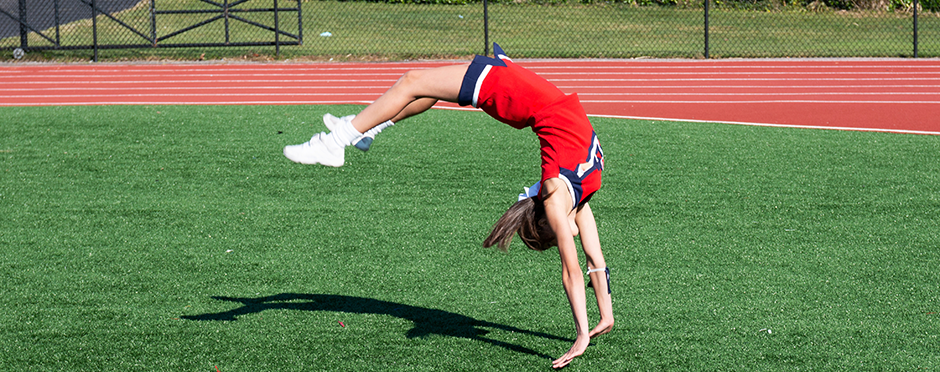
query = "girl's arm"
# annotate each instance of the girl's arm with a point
(557, 202)
(591, 244)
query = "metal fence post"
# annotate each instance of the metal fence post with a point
(300, 25)
(277, 34)
(57, 21)
(24, 41)
(706, 29)
(94, 28)
(915, 28)
(153, 22)
(225, 13)
(486, 29)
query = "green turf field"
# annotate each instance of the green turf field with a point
(178, 238)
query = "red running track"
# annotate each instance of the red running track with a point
(901, 95)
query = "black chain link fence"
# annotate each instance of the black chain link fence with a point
(117, 30)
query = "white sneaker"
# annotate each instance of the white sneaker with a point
(316, 151)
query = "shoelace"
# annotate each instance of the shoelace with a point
(314, 138)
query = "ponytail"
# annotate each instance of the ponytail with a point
(526, 218)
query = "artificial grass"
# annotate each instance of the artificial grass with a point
(179, 238)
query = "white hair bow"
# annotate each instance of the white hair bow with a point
(528, 192)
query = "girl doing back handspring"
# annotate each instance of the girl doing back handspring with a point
(551, 212)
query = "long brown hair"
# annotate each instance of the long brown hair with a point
(526, 218)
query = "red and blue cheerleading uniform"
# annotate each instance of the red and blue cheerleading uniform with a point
(520, 98)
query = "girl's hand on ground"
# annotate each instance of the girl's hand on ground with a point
(580, 344)
(601, 328)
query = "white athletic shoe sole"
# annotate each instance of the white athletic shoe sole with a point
(316, 151)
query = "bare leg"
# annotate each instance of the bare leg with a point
(413, 93)
(414, 108)
(365, 142)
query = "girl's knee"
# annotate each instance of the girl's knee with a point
(411, 77)
(415, 83)
(439, 83)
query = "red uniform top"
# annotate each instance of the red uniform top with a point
(520, 98)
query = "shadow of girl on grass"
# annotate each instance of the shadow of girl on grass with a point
(426, 321)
